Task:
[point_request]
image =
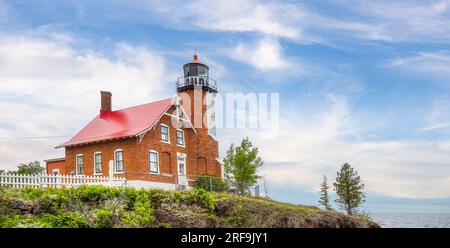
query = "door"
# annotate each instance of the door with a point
(181, 164)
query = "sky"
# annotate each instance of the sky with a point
(363, 82)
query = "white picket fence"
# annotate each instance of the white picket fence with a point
(57, 181)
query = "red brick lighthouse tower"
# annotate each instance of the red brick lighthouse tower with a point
(197, 92)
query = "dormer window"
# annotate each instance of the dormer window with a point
(165, 133)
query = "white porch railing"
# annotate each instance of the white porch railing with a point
(58, 181)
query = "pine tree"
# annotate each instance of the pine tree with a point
(324, 200)
(349, 189)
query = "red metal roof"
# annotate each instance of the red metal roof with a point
(120, 123)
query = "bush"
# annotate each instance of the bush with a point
(203, 198)
(210, 183)
(96, 193)
(140, 204)
(104, 218)
(65, 220)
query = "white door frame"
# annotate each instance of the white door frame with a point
(182, 178)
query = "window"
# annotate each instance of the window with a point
(164, 133)
(55, 172)
(118, 161)
(79, 164)
(153, 161)
(97, 163)
(180, 137)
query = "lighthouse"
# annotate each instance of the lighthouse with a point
(197, 91)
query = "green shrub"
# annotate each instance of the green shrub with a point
(96, 193)
(65, 220)
(203, 198)
(236, 216)
(210, 183)
(141, 214)
(104, 218)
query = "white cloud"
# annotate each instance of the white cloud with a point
(48, 88)
(417, 21)
(266, 55)
(431, 64)
(382, 20)
(309, 146)
(438, 116)
(232, 16)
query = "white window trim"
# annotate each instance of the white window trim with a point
(101, 164)
(76, 164)
(123, 167)
(157, 162)
(168, 133)
(184, 138)
(55, 170)
(185, 163)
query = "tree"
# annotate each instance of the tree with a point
(32, 168)
(349, 189)
(210, 183)
(324, 200)
(241, 164)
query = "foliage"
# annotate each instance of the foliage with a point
(349, 189)
(203, 198)
(18, 221)
(105, 218)
(65, 220)
(112, 207)
(210, 183)
(141, 214)
(97, 193)
(241, 164)
(32, 168)
(237, 216)
(324, 200)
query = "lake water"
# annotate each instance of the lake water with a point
(412, 220)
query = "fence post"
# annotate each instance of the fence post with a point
(210, 184)
(39, 179)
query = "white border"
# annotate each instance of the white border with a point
(184, 137)
(157, 162)
(76, 164)
(123, 158)
(185, 166)
(101, 164)
(168, 133)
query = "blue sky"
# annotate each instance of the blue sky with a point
(364, 82)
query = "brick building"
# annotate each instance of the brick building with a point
(163, 144)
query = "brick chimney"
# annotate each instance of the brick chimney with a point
(105, 103)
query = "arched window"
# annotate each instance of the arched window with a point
(165, 164)
(201, 166)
